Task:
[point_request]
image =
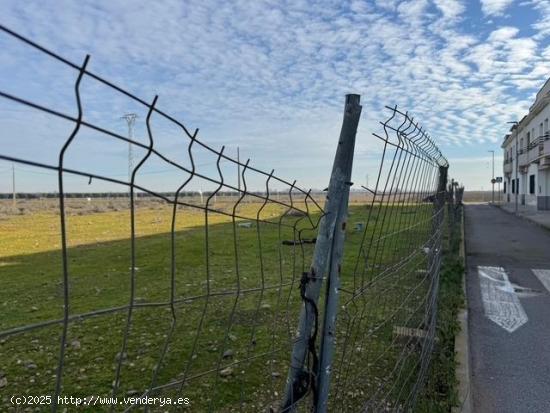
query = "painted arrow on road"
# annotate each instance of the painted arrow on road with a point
(544, 277)
(500, 300)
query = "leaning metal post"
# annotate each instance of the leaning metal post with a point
(326, 258)
(349, 130)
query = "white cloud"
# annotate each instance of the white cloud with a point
(451, 9)
(269, 78)
(495, 7)
(503, 34)
(542, 26)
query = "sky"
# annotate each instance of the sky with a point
(269, 77)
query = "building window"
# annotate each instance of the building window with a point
(540, 130)
(521, 145)
(546, 125)
(531, 184)
(513, 186)
(504, 187)
(528, 139)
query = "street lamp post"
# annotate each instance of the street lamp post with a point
(493, 178)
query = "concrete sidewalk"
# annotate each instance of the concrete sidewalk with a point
(541, 218)
(508, 296)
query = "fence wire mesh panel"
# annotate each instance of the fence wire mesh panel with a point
(386, 325)
(195, 294)
(233, 287)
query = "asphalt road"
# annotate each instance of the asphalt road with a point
(509, 322)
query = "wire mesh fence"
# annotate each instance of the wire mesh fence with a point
(387, 323)
(234, 297)
(204, 309)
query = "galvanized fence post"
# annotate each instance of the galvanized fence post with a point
(439, 210)
(349, 130)
(440, 197)
(326, 263)
(442, 186)
(458, 203)
(435, 253)
(450, 198)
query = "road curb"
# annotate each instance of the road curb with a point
(538, 224)
(462, 349)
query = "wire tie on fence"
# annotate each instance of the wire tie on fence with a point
(303, 282)
(312, 373)
(306, 277)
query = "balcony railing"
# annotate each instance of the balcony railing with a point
(523, 158)
(536, 149)
(533, 152)
(507, 167)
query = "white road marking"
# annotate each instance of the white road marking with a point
(544, 277)
(500, 301)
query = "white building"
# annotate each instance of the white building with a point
(527, 156)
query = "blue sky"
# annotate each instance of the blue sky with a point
(270, 77)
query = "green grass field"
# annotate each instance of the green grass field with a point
(231, 328)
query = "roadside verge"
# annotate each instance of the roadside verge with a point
(461, 341)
